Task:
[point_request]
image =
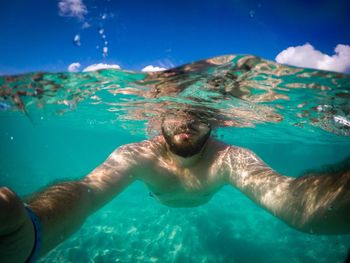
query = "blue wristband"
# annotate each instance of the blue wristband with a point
(38, 234)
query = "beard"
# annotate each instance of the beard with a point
(185, 148)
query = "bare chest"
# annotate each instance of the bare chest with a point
(178, 186)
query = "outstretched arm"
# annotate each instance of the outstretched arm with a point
(318, 204)
(63, 207)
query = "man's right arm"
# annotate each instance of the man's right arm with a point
(314, 203)
(63, 207)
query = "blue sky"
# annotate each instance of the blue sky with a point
(39, 35)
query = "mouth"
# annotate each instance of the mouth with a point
(184, 135)
(189, 131)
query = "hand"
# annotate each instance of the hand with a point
(16, 228)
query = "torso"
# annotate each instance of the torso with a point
(181, 186)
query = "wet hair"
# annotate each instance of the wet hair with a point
(208, 114)
(200, 113)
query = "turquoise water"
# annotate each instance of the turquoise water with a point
(57, 127)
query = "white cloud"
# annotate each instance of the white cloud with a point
(72, 8)
(85, 25)
(100, 66)
(308, 57)
(151, 68)
(74, 67)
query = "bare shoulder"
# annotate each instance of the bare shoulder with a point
(125, 160)
(243, 163)
(242, 158)
(240, 153)
(135, 154)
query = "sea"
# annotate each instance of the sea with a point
(58, 127)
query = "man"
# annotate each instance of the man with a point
(183, 167)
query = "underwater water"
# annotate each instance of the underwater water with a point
(60, 126)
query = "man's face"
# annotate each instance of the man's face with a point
(185, 134)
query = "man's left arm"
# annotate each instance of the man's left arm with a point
(318, 204)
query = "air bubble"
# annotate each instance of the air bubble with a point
(105, 51)
(76, 40)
